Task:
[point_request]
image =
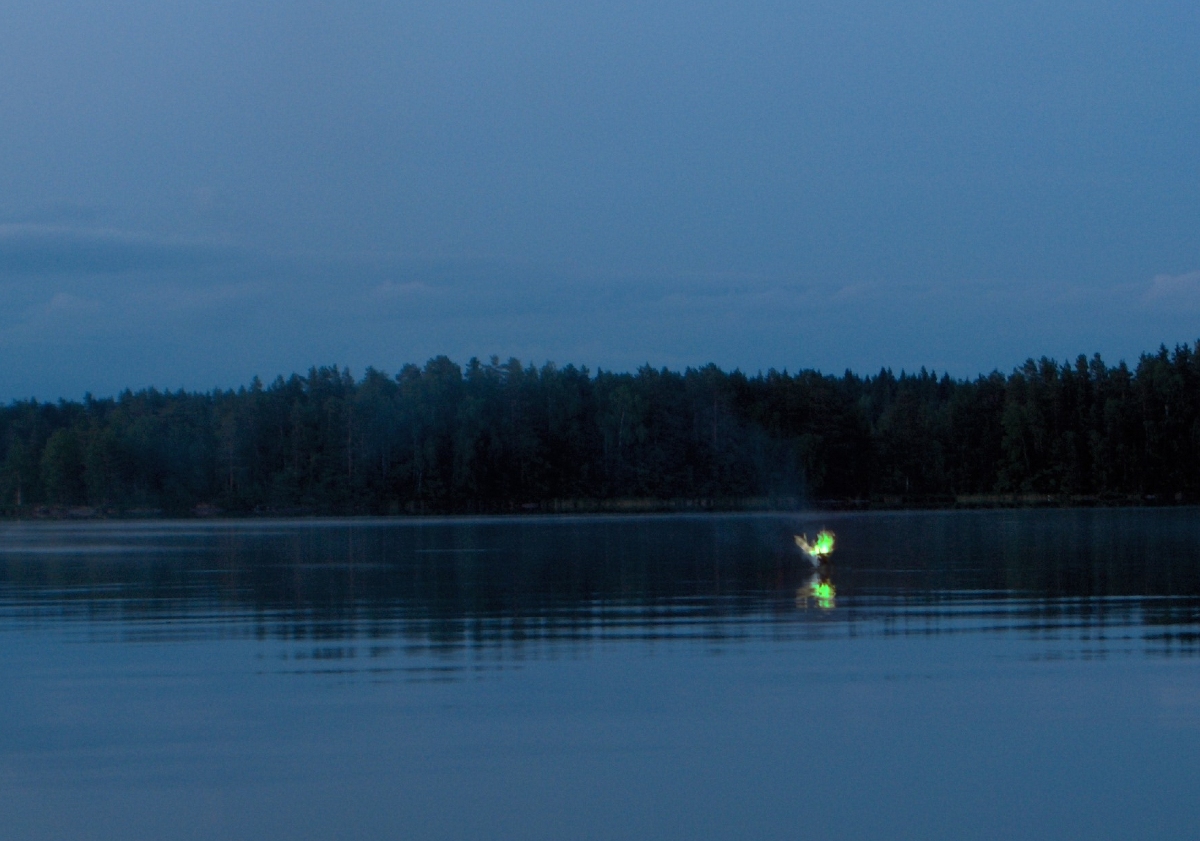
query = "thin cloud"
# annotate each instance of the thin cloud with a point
(32, 249)
(68, 303)
(404, 290)
(1176, 291)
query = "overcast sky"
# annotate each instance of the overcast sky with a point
(195, 193)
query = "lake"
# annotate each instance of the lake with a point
(998, 674)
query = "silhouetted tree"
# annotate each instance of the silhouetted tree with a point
(497, 436)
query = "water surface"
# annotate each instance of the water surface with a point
(984, 674)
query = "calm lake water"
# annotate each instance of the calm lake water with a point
(963, 675)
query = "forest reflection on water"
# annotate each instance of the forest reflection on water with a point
(359, 592)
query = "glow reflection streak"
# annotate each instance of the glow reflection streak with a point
(820, 590)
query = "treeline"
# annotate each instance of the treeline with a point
(503, 436)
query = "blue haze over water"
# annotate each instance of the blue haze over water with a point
(981, 674)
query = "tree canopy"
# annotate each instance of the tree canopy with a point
(504, 436)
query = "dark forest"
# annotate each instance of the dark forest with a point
(497, 437)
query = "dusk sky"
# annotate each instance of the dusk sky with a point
(192, 194)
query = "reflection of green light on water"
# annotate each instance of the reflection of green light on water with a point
(824, 543)
(823, 592)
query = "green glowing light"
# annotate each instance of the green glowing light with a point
(819, 549)
(824, 543)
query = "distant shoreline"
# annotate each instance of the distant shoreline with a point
(627, 506)
(502, 438)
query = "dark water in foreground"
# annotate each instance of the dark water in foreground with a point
(973, 675)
